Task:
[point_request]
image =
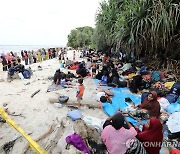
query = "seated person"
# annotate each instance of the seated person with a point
(104, 79)
(150, 105)
(152, 133)
(57, 77)
(81, 71)
(68, 63)
(65, 81)
(116, 133)
(136, 84)
(100, 94)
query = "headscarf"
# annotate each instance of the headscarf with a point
(153, 106)
(152, 134)
(9, 58)
(118, 121)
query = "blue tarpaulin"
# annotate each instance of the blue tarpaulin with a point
(118, 101)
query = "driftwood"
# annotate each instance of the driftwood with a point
(13, 113)
(35, 93)
(49, 131)
(7, 147)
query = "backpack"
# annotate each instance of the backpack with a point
(155, 76)
(63, 99)
(176, 88)
(172, 98)
(26, 74)
(11, 71)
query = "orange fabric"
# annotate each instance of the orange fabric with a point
(74, 67)
(81, 90)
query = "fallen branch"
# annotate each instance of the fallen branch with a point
(13, 114)
(72, 105)
(49, 131)
(35, 93)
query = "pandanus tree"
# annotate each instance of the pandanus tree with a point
(144, 26)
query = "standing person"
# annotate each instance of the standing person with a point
(30, 57)
(80, 92)
(34, 56)
(22, 54)
(151, 133)
(74, 55)
(4, 63)
(49, 53)
(39, 56)
(93, 65)
(9, 60)
(26, 57)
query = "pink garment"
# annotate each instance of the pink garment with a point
(117, 141)
(9, 58)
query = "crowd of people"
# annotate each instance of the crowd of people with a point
(119, 72)
(114, 72)
(29, 57)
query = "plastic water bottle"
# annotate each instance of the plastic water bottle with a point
(140, 127)
(58, 105)
(165, 134)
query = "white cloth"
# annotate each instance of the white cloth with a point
(163, 103)
(94, 122)
(173, 122)
(126, 66)
(99, 94)
(61, 145)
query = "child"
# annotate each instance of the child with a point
(104, 99)
(93, 65)
(80, 91)
(104, 78)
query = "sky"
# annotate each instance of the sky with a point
(43, 22)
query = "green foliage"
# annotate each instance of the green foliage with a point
(81, 37)
(150, 26)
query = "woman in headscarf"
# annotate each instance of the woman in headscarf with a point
(115, 135)
(9, 60)
(151, 136)
(151, 105)
(4, 63)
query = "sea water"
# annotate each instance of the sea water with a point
(18, 48)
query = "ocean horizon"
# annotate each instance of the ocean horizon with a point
(18, 48)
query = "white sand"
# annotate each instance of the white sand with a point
(38, 113)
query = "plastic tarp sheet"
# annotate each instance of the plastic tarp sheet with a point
(173, 122)
(118, 101)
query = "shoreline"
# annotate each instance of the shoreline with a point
(37, 112)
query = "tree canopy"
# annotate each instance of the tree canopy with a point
(81, 37)
(149, 27)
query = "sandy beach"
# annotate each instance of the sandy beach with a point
(37, 114)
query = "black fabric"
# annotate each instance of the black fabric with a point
(174, 135)
(97, 148)
(82, 72)
(99, 75)
(107, 123)
(136, 147)
(143, 96)
(121, 84)
(176, 88)
(135, 84)
(118, 121)
(57, 76)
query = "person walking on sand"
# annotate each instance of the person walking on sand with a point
(74, 55)
(80, 91)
